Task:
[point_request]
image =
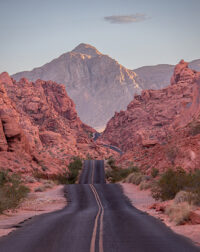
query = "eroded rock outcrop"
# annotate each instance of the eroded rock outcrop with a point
(156, 129)
(98, 84)
(40, 129)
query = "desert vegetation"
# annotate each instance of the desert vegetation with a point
(173, 181)
(65, 176)
(179, 188)
(115, 173)
(194, 128)
(183, 188)
(12, 190)
(179, 213)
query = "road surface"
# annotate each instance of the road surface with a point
(98, 218)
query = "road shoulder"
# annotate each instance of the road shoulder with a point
(36, 203)
(143, 200)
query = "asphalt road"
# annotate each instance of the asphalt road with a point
(98, 218)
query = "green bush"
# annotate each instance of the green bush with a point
(12, 191)
(134, 178)
(154, 172)
(66, 176)
(70, 177)
(194, 186)
(144, 185)
(170, 183)
(194, 128)
(118, 174)
(173, 181)
(111, 163)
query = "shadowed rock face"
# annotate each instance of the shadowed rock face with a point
(98, 85)
(158, 121)
(39, 127)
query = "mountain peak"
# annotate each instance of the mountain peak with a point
(86, 49)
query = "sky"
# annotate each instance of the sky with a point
(134, 32)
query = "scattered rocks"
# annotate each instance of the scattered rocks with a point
(194, 217)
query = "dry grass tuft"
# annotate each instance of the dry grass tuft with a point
(179, 213)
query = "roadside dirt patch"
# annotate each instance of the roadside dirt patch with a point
(143, 200)
(36, 203)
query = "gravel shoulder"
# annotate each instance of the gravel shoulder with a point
(143, 200)
(35, 204)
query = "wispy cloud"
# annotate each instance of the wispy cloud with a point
(125, 19)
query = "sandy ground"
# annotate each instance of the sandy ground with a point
(142, 200)
(35, 204)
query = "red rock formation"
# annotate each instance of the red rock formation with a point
(39, 127)
(98, 84)
(155, 129)
(194, 217)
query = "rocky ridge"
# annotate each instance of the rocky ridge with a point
(160, 127)
(158, 76)
(98, 84)
(40, 129)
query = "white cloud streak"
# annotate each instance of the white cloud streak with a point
(126, 19)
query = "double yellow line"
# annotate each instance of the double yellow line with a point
(99, 215)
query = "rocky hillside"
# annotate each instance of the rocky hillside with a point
(160, 127)
(157, 77)
(98, 84)
(39, 127)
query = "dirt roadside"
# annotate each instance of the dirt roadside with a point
(143, 200)
(35, 204)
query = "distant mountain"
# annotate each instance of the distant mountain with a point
(157, 77)
(98, 84)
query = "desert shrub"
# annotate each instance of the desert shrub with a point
(117, 174)
(111, 163)
(41, 175)
(88, 157)
(48, 184)
(134, 178)
(66, 176)
(194, 186)
(74, 168)
(184, 196)
(173, 181)
(179, 213)
(40, 189)
(70, 177)
(134, 168)
(154, 172)
(30, 179)
(170, 183)
(12, 191)
(194, 128)
(144, 185)
(171, 153)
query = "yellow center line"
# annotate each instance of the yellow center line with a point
(101, 214)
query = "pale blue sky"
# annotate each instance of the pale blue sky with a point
(33, 32)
